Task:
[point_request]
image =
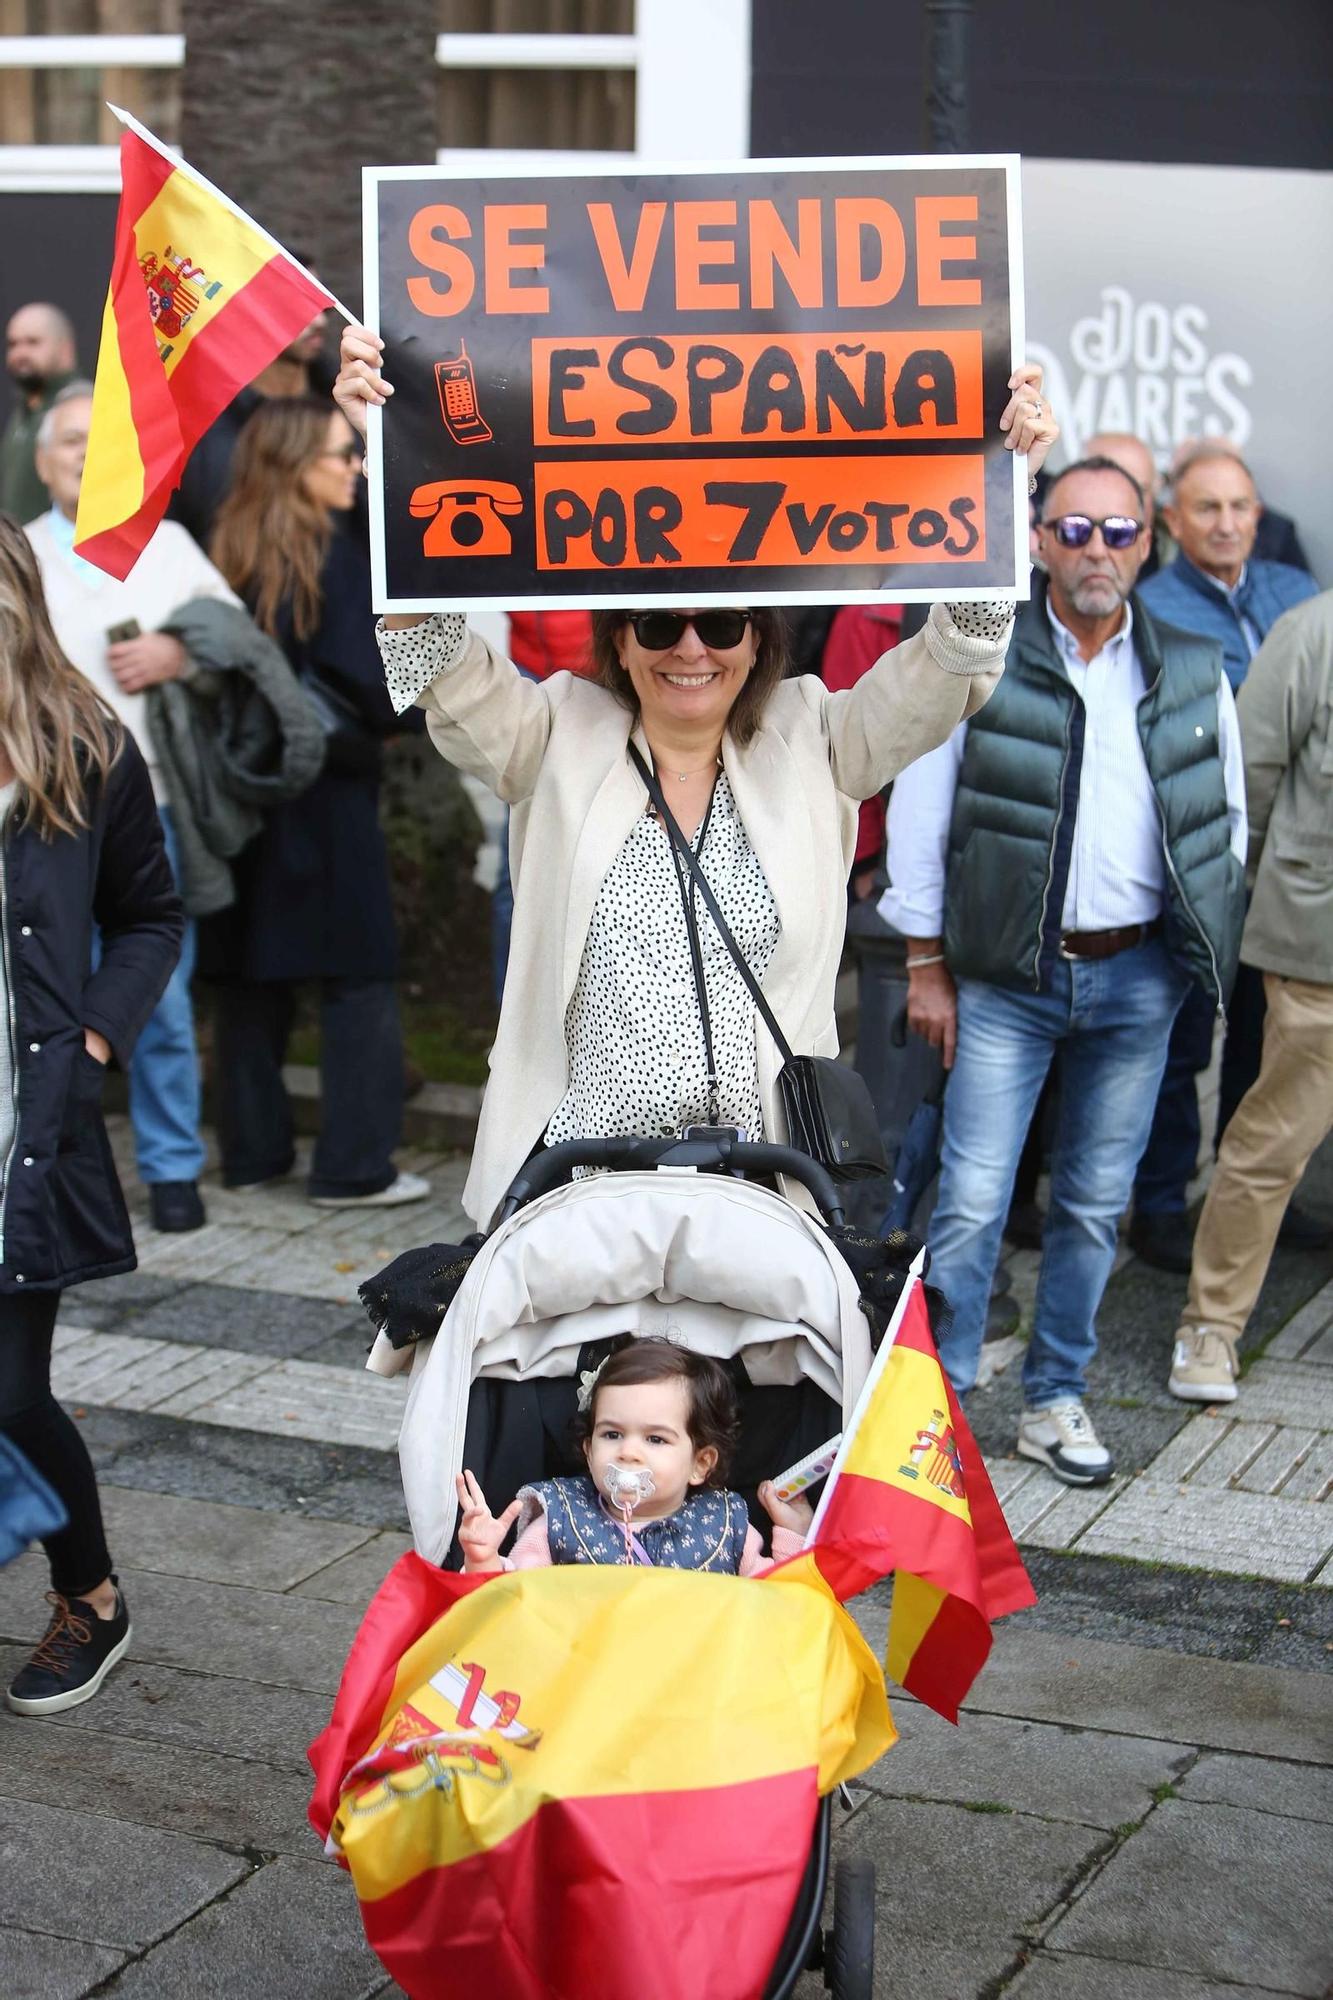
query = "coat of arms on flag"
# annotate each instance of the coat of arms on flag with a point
(176, 290)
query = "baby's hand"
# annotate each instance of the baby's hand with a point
(479, 1533)
(794, 1514)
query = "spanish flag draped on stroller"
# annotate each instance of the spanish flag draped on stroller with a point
(567, 1784)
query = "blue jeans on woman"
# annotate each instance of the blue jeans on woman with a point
(164, 1069)
(1111, 1018)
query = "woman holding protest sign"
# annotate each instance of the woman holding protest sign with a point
(602, 1029)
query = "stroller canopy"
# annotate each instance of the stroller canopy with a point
(724, 1266)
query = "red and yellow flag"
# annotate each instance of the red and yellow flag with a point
(577, 1783)
(201, 300)
(909, 1493)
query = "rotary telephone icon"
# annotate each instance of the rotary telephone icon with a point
(465, 516)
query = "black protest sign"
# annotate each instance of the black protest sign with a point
(773, 381)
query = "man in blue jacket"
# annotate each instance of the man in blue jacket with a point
(1218, 588)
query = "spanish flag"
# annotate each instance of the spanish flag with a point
(201, 300)
(579, 1783)
(909, 1493)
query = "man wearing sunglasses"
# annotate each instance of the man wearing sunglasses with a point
(1063, 869)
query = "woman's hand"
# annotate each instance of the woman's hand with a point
(359, 380)
(479, 1533)
(98, 1047)
(1028, 421)
(794, 1515)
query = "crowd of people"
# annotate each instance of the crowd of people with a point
(1053, 817)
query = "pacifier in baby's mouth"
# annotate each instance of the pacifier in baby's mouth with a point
(628, 1486)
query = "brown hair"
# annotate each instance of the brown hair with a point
(771, 660)
(270, 539)
(714, 1415)
(54, 726)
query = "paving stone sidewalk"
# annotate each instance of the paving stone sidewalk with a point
(1138, 1803)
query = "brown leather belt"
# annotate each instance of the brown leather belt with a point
(1105, 944)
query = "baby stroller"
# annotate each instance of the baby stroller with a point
(685, 1237)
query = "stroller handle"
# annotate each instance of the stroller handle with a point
(745, 1158)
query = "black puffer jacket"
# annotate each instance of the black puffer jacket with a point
(64, 1216)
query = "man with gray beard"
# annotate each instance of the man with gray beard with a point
(1063, 868)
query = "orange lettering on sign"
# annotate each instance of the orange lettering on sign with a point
(627, 283)
(787, 512)
(934, 250)
(424, 239)
(504, 257)
(771, 249)
(867, 226)
(734, 387)
(694, 293)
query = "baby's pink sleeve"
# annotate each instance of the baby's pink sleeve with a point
(754, 1562)
(532, 1550)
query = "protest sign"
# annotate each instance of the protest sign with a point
(778, 382)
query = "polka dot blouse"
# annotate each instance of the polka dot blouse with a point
(632, 1027)
(635, 1040)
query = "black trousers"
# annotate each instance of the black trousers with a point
(361, 1083)
(1171, 1156)
(31, 1418)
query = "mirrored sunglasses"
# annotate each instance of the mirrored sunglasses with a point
(1074, 531)
(659, 631)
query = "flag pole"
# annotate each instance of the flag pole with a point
(915, 1273)
(183, 166)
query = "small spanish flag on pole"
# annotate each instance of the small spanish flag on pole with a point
(909, 1494)
(201, 300)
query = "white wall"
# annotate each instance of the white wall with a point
(1175, 301)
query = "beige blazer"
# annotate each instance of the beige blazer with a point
(556, 752)
(1285, 705)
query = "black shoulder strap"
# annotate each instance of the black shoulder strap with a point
(686, 853)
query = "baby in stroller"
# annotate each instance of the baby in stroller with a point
(657, 1424)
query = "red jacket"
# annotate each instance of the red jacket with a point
(543, 642)
(859, 635)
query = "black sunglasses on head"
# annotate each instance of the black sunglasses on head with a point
(1074, 531)
(659, 631)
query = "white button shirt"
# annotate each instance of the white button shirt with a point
(1116, 874)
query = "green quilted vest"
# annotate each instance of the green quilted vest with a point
(1017, 796)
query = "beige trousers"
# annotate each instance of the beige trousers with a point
(1264, 1152)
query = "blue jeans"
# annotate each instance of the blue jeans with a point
(164, 1069)
(1112, 1020)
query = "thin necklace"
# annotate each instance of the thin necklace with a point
(681, 776)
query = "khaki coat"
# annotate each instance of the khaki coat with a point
(556, 752)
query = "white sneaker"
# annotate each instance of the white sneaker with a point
(1203, 1366)
(407, 1187)
(1062, 1437)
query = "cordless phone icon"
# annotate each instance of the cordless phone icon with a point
(458, 400)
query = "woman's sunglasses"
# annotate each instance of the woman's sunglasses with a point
(1074, 531)
(659, 631)
(350, 454)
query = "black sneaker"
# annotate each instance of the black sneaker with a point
(176, 1206)
(75, 1657)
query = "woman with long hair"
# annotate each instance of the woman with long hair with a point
(80, 845)
(313, 900)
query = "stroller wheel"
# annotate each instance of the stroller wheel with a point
(849, 1961)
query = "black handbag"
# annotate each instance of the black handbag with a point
(827, 1107)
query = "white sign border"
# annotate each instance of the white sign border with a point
(371, 177)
